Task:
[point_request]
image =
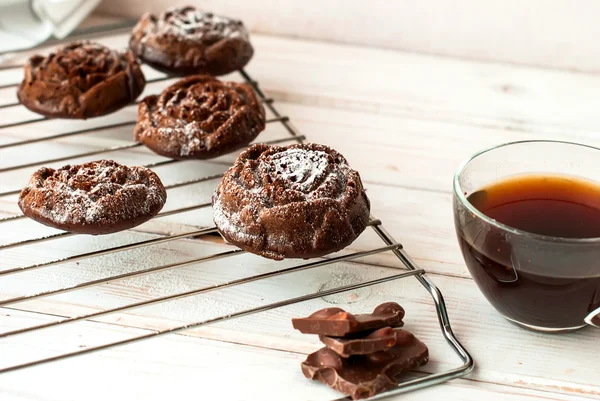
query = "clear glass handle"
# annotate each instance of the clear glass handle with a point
(593, 319)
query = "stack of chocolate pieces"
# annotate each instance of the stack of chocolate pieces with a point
(363, 354)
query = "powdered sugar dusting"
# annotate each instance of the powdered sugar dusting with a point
(311, 174)
(230, 223)
(191, 24)
(300, 169)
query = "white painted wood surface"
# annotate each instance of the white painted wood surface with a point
(405, 122)
(549, 33)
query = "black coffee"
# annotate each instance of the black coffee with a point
(507, 267)
(546, 205)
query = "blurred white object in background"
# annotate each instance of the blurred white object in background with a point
(26, 23)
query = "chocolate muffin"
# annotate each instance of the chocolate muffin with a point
(185, 41)
(298, 201)
(81, 80)
(99, 197)
(199, 117)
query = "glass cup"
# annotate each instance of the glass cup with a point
(543, 283)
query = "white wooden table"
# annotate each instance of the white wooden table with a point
(405, 122)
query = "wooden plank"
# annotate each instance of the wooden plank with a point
(405, 151)
(408, 214)
(183, 366)
(522, 362)
(530, 100)
(526, 99)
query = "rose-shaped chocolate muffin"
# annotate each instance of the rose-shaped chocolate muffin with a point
(298, 201)
(81, 80)
(199, 117)
(99, 197)
(185, 41)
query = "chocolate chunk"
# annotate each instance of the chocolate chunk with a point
(336, 322)
(362, 376)
(379, 340)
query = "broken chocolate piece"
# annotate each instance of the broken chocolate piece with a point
(362, 376)
(379, 340)
(336, 322)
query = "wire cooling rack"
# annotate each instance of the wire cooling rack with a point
(388, 245)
